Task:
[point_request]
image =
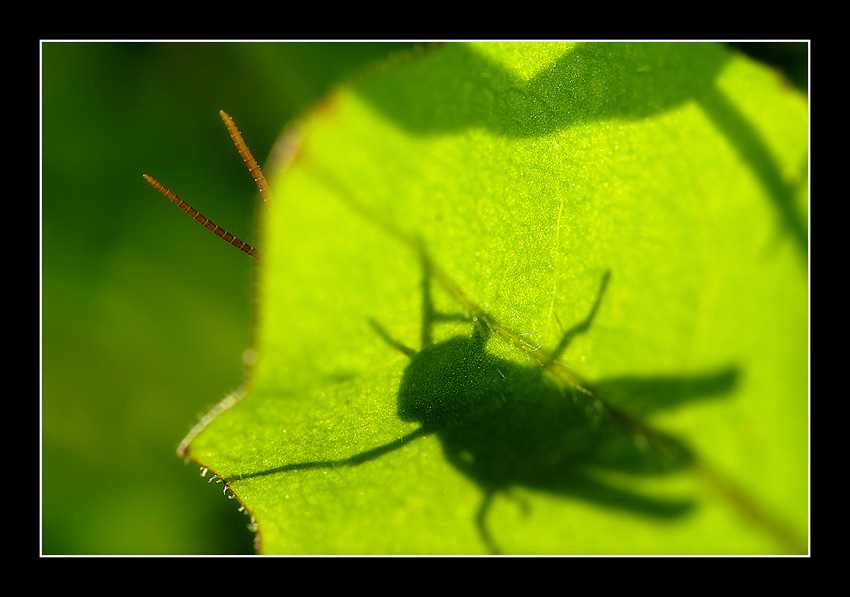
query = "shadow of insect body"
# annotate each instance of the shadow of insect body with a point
(504, 425)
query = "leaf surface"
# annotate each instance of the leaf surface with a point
(525, 172)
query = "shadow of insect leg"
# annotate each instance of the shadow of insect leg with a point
(481, 516)
(430, 315)
(410, 352)
(354, 460)
(583, 326)
(481, 522)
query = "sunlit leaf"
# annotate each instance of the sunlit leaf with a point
(503, 183)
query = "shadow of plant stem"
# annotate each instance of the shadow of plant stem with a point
(505, 425)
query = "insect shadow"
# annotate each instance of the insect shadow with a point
(506, 425)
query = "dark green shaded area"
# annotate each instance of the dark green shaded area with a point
(595, 81)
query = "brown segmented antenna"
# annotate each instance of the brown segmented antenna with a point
(203, 220)
(245, 153)
(256, 173)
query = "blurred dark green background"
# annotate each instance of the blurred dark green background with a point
(145, 315)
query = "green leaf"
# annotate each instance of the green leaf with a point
(500, 183)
